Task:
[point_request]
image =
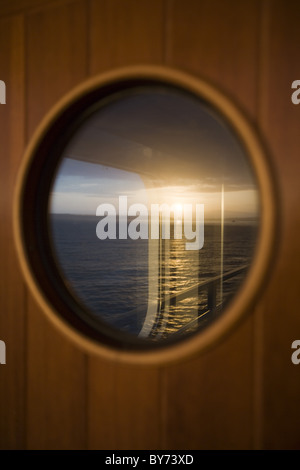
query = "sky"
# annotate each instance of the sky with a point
(155, 146)
(80, 187)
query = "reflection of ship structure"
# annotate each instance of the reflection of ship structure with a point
(187, 290)
(205, 313)
(155, 147)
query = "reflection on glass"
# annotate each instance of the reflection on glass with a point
(154, 214)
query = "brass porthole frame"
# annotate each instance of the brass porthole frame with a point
(258, 272)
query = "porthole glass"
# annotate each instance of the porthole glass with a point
(154, 212)
(141, 212)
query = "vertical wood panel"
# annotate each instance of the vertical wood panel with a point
(56, 414)
(280, 122)
(124, 407)
(125, 401)
(63, 399)
(7, 7)
(12, 292)
(210, 399)
(57, 60)
(217, 40)
(124, 33)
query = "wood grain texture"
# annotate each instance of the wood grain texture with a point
(217, 40)
(7, 7)
(124, 402)
(280, 123)
(124, 406)
(244, 392)
(12, 292)
(56, 402)
(210, 399)
(57, 59)
(124, 33)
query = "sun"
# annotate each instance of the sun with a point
(178, 207)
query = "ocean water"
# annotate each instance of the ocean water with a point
(132, 284)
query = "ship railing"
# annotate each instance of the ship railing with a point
(210, 286)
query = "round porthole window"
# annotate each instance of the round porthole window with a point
(145, 214)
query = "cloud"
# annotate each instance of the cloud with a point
(160, 141)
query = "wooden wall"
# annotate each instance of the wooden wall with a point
(243, 393)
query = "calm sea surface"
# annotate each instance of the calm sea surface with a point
(130, 283)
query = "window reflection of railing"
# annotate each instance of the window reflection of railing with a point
(212, 308)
